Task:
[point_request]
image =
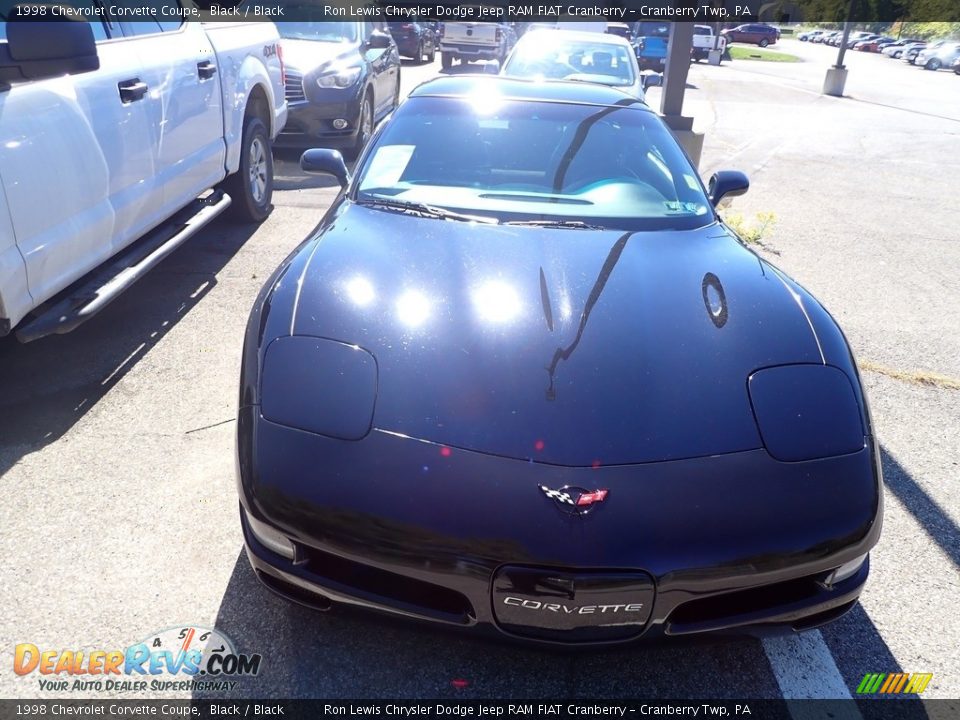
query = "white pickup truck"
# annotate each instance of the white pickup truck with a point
(118, 141)
(466, 41)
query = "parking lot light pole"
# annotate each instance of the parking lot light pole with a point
(836, 78)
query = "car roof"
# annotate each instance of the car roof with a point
(558, 91)
(559, 36)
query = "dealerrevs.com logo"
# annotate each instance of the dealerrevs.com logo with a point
(180, 658)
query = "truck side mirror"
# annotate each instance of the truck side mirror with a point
(39, 50)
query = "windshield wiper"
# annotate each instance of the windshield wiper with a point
(572, 224)
(423, 210)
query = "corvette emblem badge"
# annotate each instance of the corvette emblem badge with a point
(575, 500)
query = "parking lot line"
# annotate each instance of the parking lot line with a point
(804, 669)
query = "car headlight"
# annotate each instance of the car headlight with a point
(342, 78)
(269, 537)
(321, 386)
(806, 412)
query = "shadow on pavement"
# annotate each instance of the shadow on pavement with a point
(49, 384)
(938, 525)
(287, 174)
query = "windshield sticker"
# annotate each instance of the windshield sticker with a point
(388, 165)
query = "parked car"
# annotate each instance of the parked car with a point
(871, 45)
(109, 134)
(809, 35)
(895, 49)
(859, 38)
(416, 40)
(941, 57)
(620, 29)
(650, 44)
(576, 56)
(467, 41)
(753, 34)
(704, 41)
(910, 52)
(956, 66)
(342, 78)
(476, 394)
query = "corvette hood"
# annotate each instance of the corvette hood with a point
(563, 346)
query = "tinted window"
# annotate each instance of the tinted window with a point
(616, 166)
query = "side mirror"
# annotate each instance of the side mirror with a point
(379, 40)
(652, 80)
(727, 182)
(321, 161)
(38, 50)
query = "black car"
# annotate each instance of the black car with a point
(341, 79)
(522, 379)
(416, 40)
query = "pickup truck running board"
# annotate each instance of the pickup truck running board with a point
(104, 284)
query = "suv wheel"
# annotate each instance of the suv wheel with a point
(364, 127)
(763, 42)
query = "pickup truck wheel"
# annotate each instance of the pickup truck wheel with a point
(251, 187)
(446, 60)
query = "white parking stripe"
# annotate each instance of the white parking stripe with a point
(805, 669)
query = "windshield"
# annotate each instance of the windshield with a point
(618, 167)
(318, 30)
(538, 56)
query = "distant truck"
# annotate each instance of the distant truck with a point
(705, 40)
(109, 136)
(466, 41)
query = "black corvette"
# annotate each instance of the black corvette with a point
(522, 379)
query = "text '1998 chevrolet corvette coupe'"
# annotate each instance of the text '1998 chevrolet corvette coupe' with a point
(521, 378)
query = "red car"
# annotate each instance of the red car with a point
(753, 33)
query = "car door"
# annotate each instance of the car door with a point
(184, 103)
(385, 66)
(77, 164)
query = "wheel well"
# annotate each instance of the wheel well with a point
(259, 107)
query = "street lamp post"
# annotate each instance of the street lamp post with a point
(836, 78)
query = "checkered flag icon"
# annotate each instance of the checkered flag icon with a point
(558, 495)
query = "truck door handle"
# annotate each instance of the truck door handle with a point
(132, 90)
(206, 69)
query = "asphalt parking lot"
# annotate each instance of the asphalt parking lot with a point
(116, 441)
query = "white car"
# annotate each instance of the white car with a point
(107, 131)
(598, 58)
(940, 57)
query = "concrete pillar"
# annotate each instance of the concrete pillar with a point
(674, 87)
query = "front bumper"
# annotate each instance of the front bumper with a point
(310, 122)
(730, 544)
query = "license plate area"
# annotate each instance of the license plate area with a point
(589, 606)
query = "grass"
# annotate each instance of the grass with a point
(753, 231)
(738, 52)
